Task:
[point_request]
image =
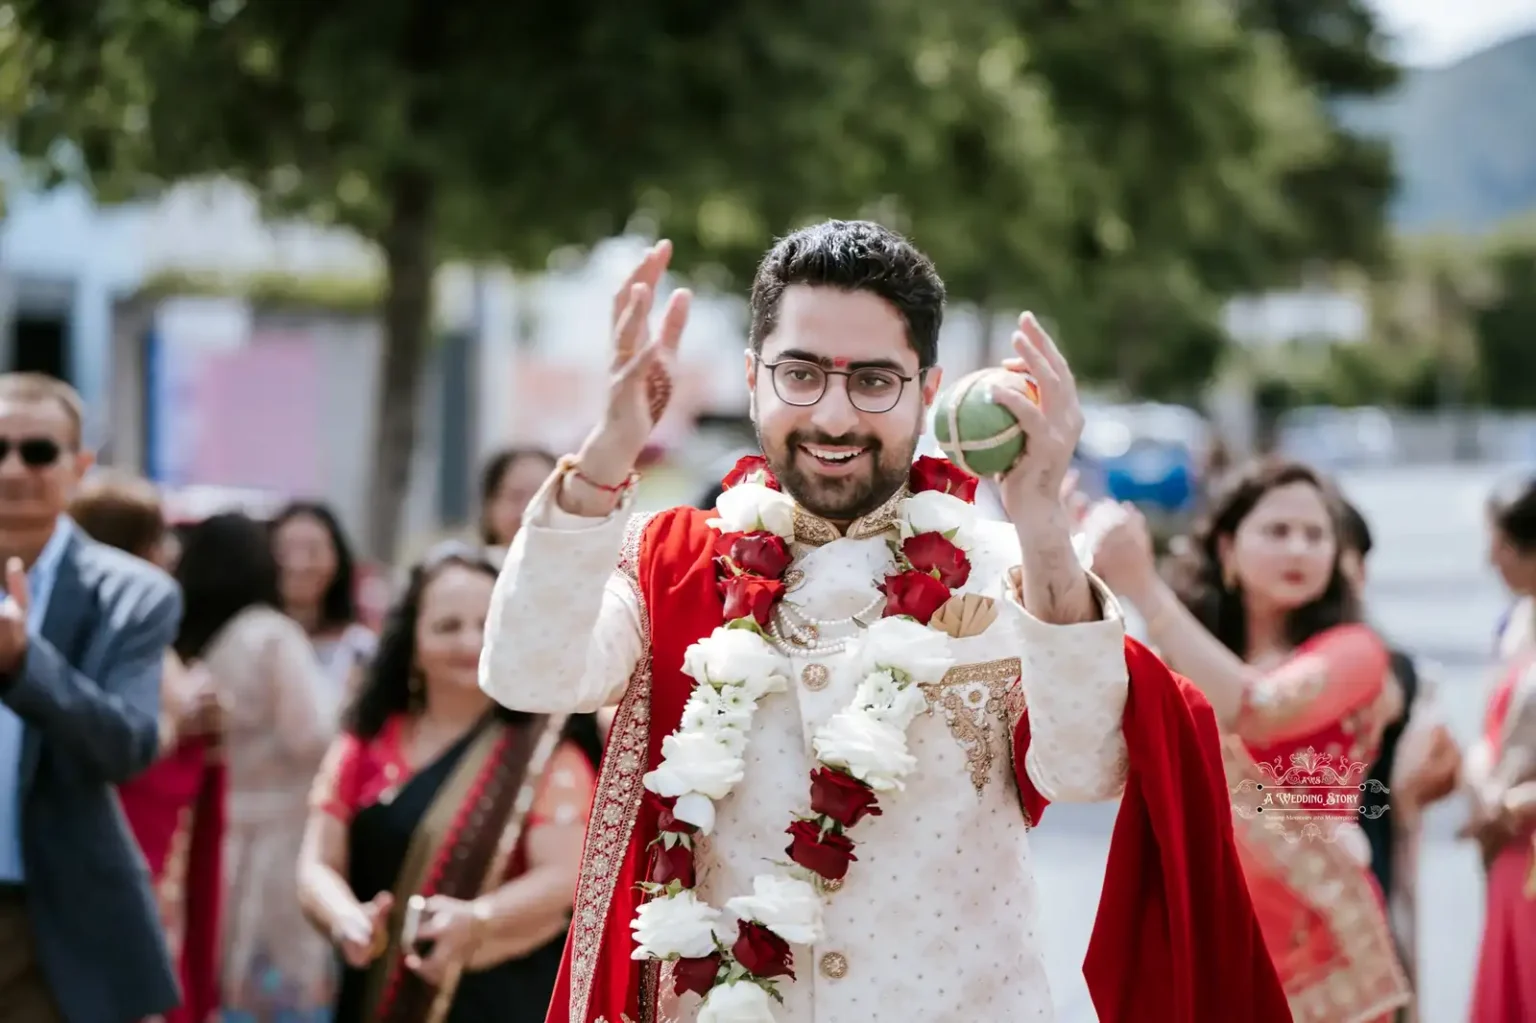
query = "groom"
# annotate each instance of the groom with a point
(844, 698)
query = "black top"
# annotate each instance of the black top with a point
(1379, 831)
(516, 991)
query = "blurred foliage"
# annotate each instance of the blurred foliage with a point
(1453, 323)
(1122, 166)
(346, 295)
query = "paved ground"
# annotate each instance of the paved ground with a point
(1431, 592)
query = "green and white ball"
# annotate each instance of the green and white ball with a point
(978, 435)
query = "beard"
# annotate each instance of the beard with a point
(839, 498)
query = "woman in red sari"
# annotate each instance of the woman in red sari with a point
(1263, 621)
(435, 792)
(176, 808)
(1499, 775)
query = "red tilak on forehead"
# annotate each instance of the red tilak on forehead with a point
(840, 363)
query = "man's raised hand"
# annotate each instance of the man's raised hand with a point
(640, 382)
(13, 616)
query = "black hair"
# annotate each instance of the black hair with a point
(853, 255)
(1196, 574)
(495, 471)
(1512, 506)
(338, 605)
(226, 566)
(1354, 531)
(386, 687)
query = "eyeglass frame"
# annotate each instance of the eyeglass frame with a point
(904, 379)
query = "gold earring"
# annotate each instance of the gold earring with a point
(1229, 577)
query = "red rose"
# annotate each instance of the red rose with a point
(750, 596)
(761, 553)
(665, 820)
(674, 864)
(724, 542)
(913, 593)
(763, 953)
(746, 467)
(929, 473)
(695, 974)
(827, 855)
(842, 797)
(931, 552)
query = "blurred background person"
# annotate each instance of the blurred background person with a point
(388, 821)
(1419, 763)
(176, 807)
(1260, 617)
(507, 483)
(317, 579)
(279, 714)
(1499, 774)
(83, 632)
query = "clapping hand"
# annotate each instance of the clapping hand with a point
(361, 933)
(13, 617)
(454, 927)
(1123, 554)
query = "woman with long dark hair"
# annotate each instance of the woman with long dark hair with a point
(1258, 614)
(175, 808)
(1500, 774)
(317, 576)
(278, 715)
(445, 832)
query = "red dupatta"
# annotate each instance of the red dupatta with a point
(176, 812)
(1161, 952)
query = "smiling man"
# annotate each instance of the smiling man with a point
(843, 698)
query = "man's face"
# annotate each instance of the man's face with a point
(41, 464)
(840, 461)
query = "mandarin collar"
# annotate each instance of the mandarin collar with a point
(812, 530)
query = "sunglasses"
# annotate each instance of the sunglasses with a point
(35, 452)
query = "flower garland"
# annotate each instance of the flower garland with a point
(859, 752)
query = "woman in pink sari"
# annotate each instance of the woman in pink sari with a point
(1500, 773)
(176, 808)
(1261, 618)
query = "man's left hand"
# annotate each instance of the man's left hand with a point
(1033, 487)
(13, 617)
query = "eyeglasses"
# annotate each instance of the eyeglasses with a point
(870, 389)
(35, 452)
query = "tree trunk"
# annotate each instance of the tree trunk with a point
(409, 264)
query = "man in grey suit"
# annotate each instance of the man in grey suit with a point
(83, 630)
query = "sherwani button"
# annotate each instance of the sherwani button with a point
(834, 966)
(815, 676)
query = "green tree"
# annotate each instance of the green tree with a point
(474, 129)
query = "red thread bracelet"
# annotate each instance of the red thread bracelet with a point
(574, 468)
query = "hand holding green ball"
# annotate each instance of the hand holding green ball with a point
(976, 433)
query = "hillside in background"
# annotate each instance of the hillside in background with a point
(1465, 139)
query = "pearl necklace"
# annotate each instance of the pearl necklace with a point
(795, 633)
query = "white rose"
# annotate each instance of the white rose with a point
(710, 710)
(898, 706)
(675, 925)
(736, 656)
(871, 750)
(695, 762)
(692, 808)
(787, 906)
(934, 511)
(750, 507)
(738, 1002)
(897, 644)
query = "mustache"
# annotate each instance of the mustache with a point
(848, 440)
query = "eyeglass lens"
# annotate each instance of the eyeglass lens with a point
(870, 389)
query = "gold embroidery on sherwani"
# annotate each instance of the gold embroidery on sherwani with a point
(813, 531)
(971, 696)
(617, 801)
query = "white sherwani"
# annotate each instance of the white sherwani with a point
(937, 919)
